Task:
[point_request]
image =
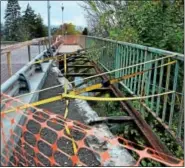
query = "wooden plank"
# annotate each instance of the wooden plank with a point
(80, 74)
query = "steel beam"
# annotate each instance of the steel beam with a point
(112, 119)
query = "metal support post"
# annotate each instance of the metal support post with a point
(49, 28)
(9, 63)
(29, 53)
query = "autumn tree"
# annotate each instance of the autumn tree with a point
(67, 29)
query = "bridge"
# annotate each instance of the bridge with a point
(53, 104)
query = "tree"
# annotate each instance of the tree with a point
(68, 29)
(33, 23)
(12, 21)
(40, 28)
(85, 31)
(2, 31)
(153, 23)
(29, 20)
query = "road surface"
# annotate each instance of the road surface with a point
(19, 58)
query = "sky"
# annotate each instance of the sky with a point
(73, 13)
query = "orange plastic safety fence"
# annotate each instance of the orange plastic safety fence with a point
(71, 40)
(40, 139)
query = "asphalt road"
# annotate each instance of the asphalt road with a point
(19, 59)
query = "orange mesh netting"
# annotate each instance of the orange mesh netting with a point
(40, 139)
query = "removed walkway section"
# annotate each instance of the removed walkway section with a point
(81, 111)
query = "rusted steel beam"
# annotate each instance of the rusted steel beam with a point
(146, 130)
(112, 119)
(73, 60)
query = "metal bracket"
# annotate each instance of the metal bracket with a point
(53, 48)
(46, 55)
(24, 83)
(38, 67)
(106, 83)
(49, 52)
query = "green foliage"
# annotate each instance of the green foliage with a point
(2, 32)
(40, 28)
(127, 34)
(12, 21)
(33, 24)
(22, 28)
(158, 24)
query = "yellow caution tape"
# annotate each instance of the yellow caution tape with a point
(72, 139)
(59, 57)
(115, 98)
(74, 146)
(38, 103)
(67, 130)
(66, 109)
(87, 89)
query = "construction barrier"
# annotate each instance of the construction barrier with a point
(41, 139)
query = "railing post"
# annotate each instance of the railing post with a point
(181, 116)
(173, 95)
(29, 53)
(39, 47)
(117, 60)
(166, 89)
(9, 63)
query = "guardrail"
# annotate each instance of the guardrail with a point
(28, 68)
(168, 110)
(9, 49)
(28, 79)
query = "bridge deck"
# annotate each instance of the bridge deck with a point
(51, 80)
(78, 113)
(68, 48)
(78, 110)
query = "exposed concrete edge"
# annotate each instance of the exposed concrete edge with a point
(119, 155)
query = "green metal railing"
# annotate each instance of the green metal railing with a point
(168, 109)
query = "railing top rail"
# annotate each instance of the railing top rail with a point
(179, 56)
(21, 44)
(13, 78)
(8, 42)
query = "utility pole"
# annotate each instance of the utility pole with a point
(62, 19)
(49, 27)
